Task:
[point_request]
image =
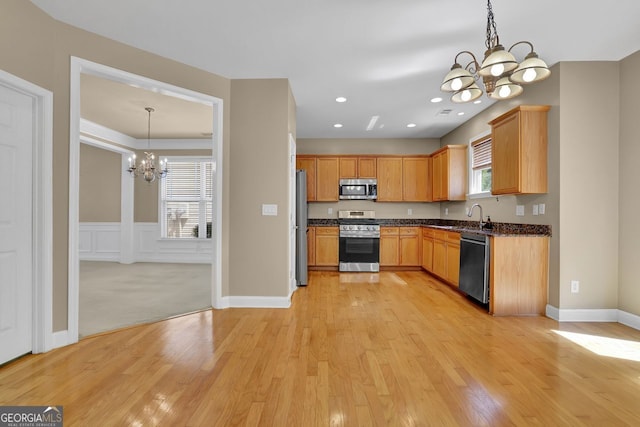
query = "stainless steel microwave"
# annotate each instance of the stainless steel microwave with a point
(358, 189)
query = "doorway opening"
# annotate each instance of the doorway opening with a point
(127, 245)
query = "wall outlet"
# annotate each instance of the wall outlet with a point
(329, 211)
(534, 210)
(575, 286)
(409, 211)
(466, 211)
(446, 211)
(541, 208)
(519, 210)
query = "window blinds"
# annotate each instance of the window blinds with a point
(481, 154)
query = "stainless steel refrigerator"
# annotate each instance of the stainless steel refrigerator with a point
(301, 228)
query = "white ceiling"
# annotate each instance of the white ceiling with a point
(387, 57)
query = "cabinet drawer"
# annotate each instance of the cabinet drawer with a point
(327, 231)
(439, 234)
(409, 231)
(453, 237)
(389, 231)
(427, 233)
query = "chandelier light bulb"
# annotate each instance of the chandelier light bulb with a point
(529, 75)
(456, 84)
(466, 95)
(504, 92)
(497, 70)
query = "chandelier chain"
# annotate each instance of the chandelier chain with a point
(492, 31)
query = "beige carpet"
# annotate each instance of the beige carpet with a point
(114, 295)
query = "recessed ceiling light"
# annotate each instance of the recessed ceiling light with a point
(337, 125)
(341, 99)
(411, 125)
(477, 101)
(461, 113)
(372, 122)
(436, 99)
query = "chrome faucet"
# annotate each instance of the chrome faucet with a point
(471, 213)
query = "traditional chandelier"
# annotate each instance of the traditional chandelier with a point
(501, 74)
(147, 167)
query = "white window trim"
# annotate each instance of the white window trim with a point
(161, 217)
(482, 194)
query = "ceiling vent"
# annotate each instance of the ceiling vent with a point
(444, 112)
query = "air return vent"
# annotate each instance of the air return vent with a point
(444, 112)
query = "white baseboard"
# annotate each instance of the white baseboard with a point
(62, 339)
(593, 315)
(257, 302)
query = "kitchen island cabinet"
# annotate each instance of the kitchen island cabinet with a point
(518, 275)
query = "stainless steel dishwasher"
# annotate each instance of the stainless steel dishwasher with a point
(474, 266)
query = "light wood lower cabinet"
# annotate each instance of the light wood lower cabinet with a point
(519, 275)
(326, 246)
(444, 247)
(409, 251)
(389, 246)
(427, 249)
(311, 246)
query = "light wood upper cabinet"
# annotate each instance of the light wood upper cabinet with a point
(308, 163)
(416, 179)
(389, 171)
(519, 151)
(353, 167)
(327, 179)
(348, 167)
(449, 173)
(326, 247)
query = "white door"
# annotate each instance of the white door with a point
(16, 134)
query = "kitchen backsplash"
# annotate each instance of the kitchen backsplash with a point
(320, 210)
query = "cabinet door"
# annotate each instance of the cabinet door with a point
(440, 257)
(367, 167)
(348, 167)
(505, 156)
(389, 246)
(436, 177)
(327, 246)
(389, 170)
(416, 182)
(327, 179)
(410, 246)
(311, 246)
(309, 165)
(453, 263)
(427, 253)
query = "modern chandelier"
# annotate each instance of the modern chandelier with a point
(502, 76)
(147, 167)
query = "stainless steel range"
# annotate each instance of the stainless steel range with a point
(359, 241)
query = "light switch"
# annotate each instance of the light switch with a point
(541, 208)
(534, 210)
(519, 210)
(269, 210)
(329, 211)
(409, 211)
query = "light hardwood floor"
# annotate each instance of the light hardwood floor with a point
(355, 349)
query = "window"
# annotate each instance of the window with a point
(481, 165)
(186, 199)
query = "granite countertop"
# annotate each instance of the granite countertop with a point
(499, 228)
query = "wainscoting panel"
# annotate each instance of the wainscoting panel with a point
(100, 241)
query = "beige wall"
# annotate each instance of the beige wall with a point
(589, 184)
(629, 153)
(37, 48)
(100, 176)
(259, 175)
(371, 146)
